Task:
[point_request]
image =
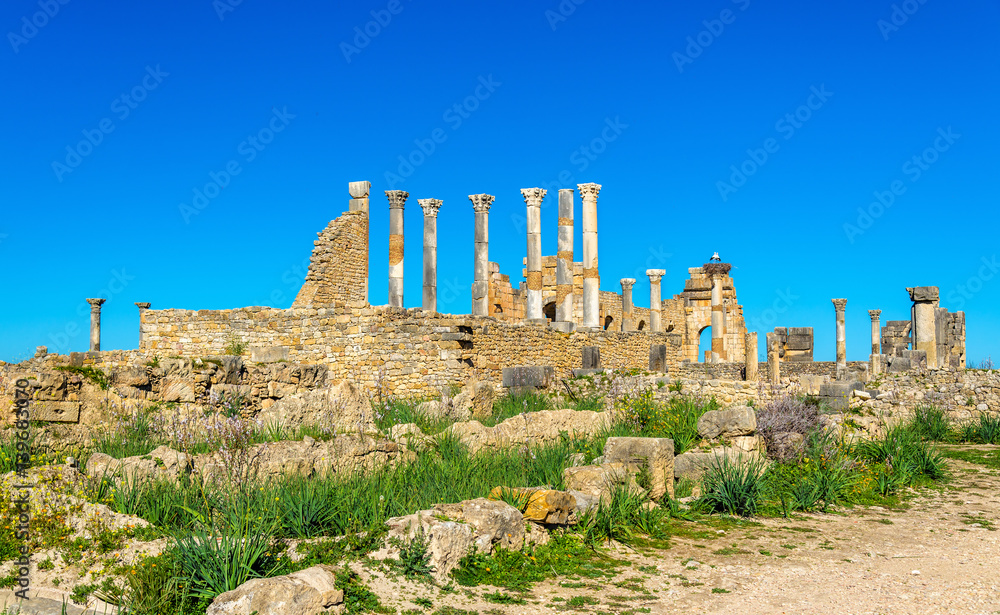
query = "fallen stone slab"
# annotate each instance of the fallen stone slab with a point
(546, 506)
(655, 454)
(310, 591)
(728, 423)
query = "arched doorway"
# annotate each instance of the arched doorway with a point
(550, 311)
(642, 326)
(704, 344)
(607, 322)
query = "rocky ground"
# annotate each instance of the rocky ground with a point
(938, 553)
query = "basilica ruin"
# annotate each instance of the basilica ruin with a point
(556, 317)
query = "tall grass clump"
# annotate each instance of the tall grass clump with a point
(392, 412)
(901, 458)
(984, 430)
(129, 434)
(621, 516)
(640, 414)
(931, 422)
(514, 404)
(734, 486)
(783, 415)
(824, 476)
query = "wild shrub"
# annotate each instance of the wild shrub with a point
(733, 486)
(621, 516)
(414, 560)
(640, 414)
(903, 456)
(786, 414)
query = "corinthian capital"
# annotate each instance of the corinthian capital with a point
(839, 304)
(533, 196)
(656, 274)
(481, 202)
(430, 206)
(627, 283)
(589, 192)
(397, 198)
(874, 314)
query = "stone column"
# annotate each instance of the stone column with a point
(142, 316)
(925, 302)
(591, 277)
(564, 258)
(655, 303)
(841, 305)
(750, 356)
(718, 321)
(359, 196)
(359, 192)
(397, 199)
(774, 359)
(481, 287)
(533, 200)
(95, 323)
(627, 284)
(430, 207)
(876, 331)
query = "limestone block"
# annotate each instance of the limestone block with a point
(731, 422)
(597, 481)
(272, 354)
(656, 454)
(310, 591)
(787, 445)
(177, 390)
(543, 505)
(692, 465)
(528, 376)
(55, 411)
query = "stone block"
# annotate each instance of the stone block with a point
(591, 357)
(543, 505)
(655, 454)
(55, 411)
(731, 422)
(534, 376)
(563, 327)
(658, 358)
(270, 354)
(924, 294)
(801, 331)
(799, 342)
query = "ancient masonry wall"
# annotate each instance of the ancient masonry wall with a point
(407, 352)
(338, 268)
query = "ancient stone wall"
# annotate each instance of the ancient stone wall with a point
(338, 268)
(895, 337)
(697, 305)
(796, 343)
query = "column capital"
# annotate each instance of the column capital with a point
(359, 190)
(143, 305)
(95, 304)
(589, 192)
(430, 207)
(839, 304)
(397, 198)
(627, 282)
(656, 274)
(874, 314)
(533, 196)
(481, 202)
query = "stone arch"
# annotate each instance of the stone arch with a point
(642, 326)
(607, 321)
(704, 341)
(497, 308)
(549, 310)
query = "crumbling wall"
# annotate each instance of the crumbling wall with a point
(895, 337)
(796, 343)
(338, 268)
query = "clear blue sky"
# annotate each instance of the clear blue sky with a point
(656, 101)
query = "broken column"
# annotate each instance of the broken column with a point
(142, 316)
(95, 323)
(655, 304)
(481, 287)
(750, 356)
(591, 277)
(925, 302)
(564, 258)
(397, 199)
(359, 192)
(627, 284)
(876, 331)
(840, 305)
(718, 320)
(533, 200)
(774, 359)
(430, 207)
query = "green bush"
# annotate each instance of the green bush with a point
(930, 422)
(984, 430)
(733, 486)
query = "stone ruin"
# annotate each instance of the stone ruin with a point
(556, 318)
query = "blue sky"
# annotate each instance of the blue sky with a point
(772, 132)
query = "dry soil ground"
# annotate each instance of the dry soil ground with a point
(938, 553)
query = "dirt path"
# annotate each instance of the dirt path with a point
(940, 555)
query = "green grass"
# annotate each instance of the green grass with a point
(989, 458)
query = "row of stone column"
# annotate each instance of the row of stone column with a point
(481, 204)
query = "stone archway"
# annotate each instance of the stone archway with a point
(607, 322)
